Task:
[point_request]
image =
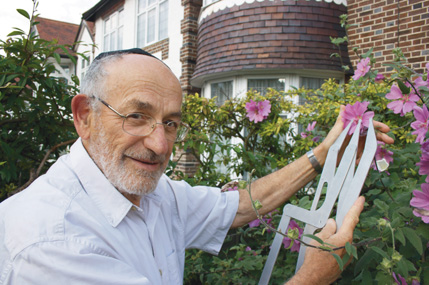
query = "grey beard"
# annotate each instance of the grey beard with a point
(138, 182)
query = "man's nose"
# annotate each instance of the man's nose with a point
(157, 140)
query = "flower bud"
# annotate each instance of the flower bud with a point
(242, 184)
(293, 233)
(386, 264)
(382, 222)
(396, 256)
(257, 204)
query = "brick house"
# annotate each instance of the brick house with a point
(65, 34)
(224, 48)
(227, 46)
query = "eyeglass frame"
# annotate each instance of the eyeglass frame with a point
(153, 127)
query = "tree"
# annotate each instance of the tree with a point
(35, 112)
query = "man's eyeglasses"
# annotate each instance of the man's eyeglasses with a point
(141, 125)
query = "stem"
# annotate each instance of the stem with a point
(415, 90)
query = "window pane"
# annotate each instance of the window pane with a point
(142, 6)
(120, 37)
(312, 83)
(261, 85)
(151, 2)
(151, 21)
(221, 90)
(106, 26)
(163, 20)
(113, 41)
(106, 43)
(114, 21)
(141, 31)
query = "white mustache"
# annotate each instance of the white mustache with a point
(145, 155)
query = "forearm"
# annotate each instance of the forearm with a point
(276, 188)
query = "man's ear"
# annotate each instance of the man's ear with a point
(82, 114)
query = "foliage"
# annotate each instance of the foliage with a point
(394, 241)
(35, 114)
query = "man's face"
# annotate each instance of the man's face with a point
(141, 84)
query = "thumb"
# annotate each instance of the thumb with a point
(328, 230)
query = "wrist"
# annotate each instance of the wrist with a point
(314, 162)
(320, 152)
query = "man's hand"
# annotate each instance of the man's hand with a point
(320, 267)
(381, 131)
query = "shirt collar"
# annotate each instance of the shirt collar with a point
(106, 197)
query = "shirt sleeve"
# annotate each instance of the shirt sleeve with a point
(68, 262)
(207, 216)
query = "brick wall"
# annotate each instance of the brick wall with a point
(186, 163)
(388, 24)
(188, 51)
(161, 46)
(279, 34)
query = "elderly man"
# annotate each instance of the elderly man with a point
(106, 213)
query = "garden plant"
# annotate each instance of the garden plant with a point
(247, 137)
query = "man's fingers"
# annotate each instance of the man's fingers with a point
(328, 230)
(382, 130)
(352, 217)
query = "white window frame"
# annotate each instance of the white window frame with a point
(143, 11)
(116, 29)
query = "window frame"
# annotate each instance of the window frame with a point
(147, 8)
(118, 29)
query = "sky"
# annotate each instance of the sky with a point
(63, 10)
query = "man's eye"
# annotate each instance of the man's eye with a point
(171, 124)
(137, 116)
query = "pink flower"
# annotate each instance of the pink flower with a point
(379, 78)
(296, 243)
(310, 127)
(353, 113)
(258, 111)
(425, 147)
(402, 279)
(382, 153)
(405, 104)
(267, 218)
(420, 202)
(420, 82)
(424, 165)
(362, 68)
(421, 123)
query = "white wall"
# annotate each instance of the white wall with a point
(175, 16)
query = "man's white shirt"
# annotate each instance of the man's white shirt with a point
(71, 226)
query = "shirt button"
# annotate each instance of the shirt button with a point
(160, 272)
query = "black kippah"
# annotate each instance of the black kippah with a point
(124, 51)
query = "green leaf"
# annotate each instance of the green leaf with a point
(349, 248)
(339, 260)
(399, 235)
(23, 13)
(381, 205)
(364, 261)
(414, 239)
(15, 33)
(404, 89)
(319, 240)
(57, 57)
(380, 251)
